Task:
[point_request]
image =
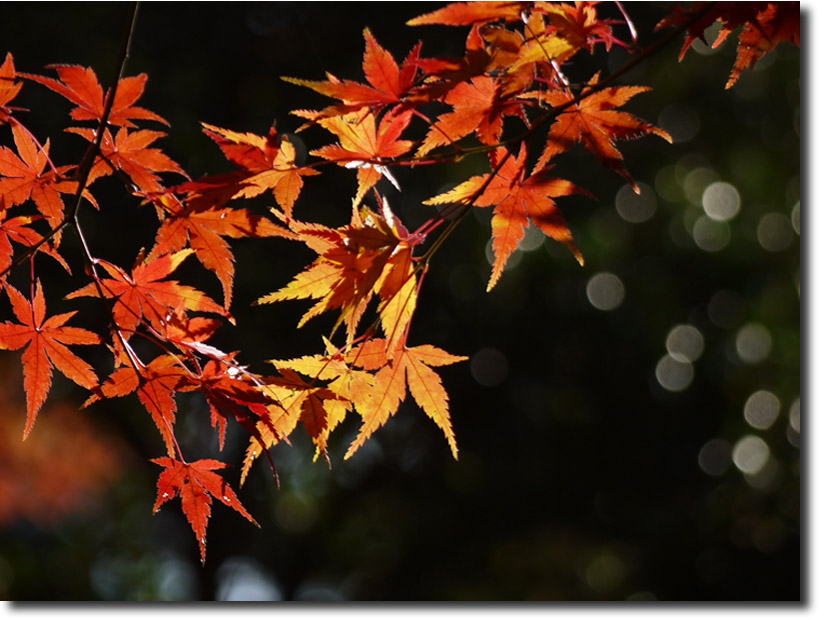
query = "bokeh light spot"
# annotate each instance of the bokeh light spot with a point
(796, 218)
(762, 409)
(696, 181)
(721, 201)
(794, 414)
(774, 232)
(711, 235)
(489, 367)
(753, 343)
(674, 375)
(685, 343)
(750, 454)
(715, 457)
(605, 291)
(636, 208)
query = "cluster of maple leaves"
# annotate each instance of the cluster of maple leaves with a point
(511, 81)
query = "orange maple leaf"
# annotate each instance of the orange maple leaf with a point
(349, 269)
(130, 153)
(469, 13)
(518, 199)
(81, 86)
(195, 482)
(25, 177)
(408, 367)
(156, 385)
(596, 123)
(268, 163)
(17, 229)
(143, 294)
(366, 147)
(478, 105)
(388, 84)
(8, 87)
(47, 342)
(203, 228)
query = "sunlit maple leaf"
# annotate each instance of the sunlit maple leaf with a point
(47, 342)
(479, 105)
(18, 229)
(130, 154)
(596, 123)
(366, 147)
(8, 87)
(349, 268)
(388, 84)
(202, 228)
(25, 177)
(81, 86)
(579, 25)
(156, 385)
(778, 23)
(268, 163)
(469, 13)
(144, 294)
(195, 482)
(517, 198)
(408, 367)
(229, 396)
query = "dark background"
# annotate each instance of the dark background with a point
(580, 476)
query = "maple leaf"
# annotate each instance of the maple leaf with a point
(25, 177)
(579, 24)
(408, 367)
(349, 267)
(202, 228)
(8, 87)
(129, 153)
(143, 294)
(195, 483)
(156, 385)
(228, 396)
(17, 229)
(81, 86)
(778, 23)
(47, 342)
(518, 199)
(596, 123)
(469, 13)
(268, 163)
(478, 105)
(366, 147)
(388, 84)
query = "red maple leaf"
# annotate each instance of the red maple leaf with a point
(81, 86)
(25, 177)
(196, 483)
(388, 84)
(18, 229)
(156, 385)
(143, 294)
(268, 163)
(130, 153)
(47, 342)
(596, 123)
(778, 23)
(518, 199)
(203, 229)
(8, 87)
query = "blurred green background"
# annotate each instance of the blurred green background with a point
(628, 430)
